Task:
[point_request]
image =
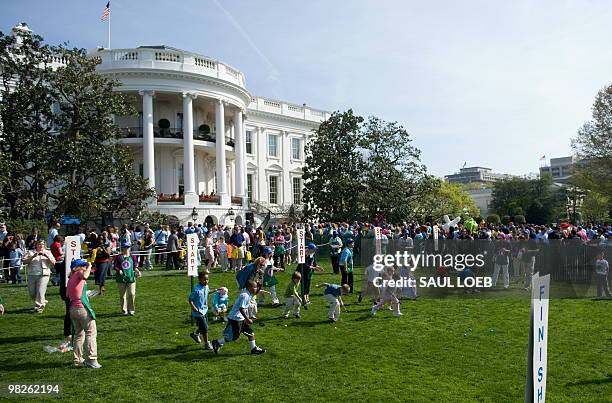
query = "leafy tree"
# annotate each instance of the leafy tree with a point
(395, 179)
(596, 207)
(593, 145)
(26, 152)
(95, 170)
(355, 169)
(537, 198)
(447, 198)
(59, 142)
(519, 219)
(493, 219)
(334, 167)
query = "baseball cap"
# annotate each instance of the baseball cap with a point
(78, 263)
(311, 246)
(267, 250)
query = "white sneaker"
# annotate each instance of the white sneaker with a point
(93, 364)
(286, 316)
(373, 311)
(398, 314)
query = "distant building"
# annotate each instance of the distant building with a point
(559, 169)
(482, 198)
(475, 174)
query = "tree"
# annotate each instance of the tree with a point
(593, 145)
(334, 167)
(26, 101)
(95, 170)
(446, 198)
(596, 207)
(537, 198)
(58, 141)
(394, 178)
(355, 169)
(493, 219)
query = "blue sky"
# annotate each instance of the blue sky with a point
(496, 84)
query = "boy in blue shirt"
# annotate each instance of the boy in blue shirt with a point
(220, 302)
(198, 299)
(239, 321)
(333, 294)
(346, 264)
(16, 257)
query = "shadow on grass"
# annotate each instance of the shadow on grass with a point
(26, 339)
(20, 310)
(32, 366)
(590, 382)
(308, 323)
(177, 354)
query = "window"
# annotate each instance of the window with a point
(296, 149)
(297, 190)
(250, 186)
(181, 180)
(249, 142)
(272, 145)
(273, 189)
(179, 121)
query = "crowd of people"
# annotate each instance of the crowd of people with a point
(256, 255)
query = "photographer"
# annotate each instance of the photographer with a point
(39, 261)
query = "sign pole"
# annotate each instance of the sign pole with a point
(192, 260)
(537, 359)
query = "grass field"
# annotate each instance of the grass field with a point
(422, 356)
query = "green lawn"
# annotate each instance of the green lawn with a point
(422, 356)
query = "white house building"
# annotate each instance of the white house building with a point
(204, 142)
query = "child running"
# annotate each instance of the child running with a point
(198, 300)
(333, 294)
(388, 295)
(239, 321)
(292, 296)
(269, 279)
(220, 302)
(306, 270)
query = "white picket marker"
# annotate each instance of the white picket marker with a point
(301, 236)
(73, 252)
(192, 257)
(535, 389)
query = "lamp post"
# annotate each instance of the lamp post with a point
(194, 215)
(230, 212)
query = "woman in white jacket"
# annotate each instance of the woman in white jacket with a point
(39, 262)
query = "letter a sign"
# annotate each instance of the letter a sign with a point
(535, 389)
(192, 254)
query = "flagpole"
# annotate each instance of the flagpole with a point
(109, 29)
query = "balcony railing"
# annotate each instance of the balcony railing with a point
(236, 200)
(212, 199)
(162, 57)
(173, 133)
(170, 199)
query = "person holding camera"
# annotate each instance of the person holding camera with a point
(39, 261)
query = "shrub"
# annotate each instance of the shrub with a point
(493, 219)
(519, 219)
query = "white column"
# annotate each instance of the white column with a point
(287, 197)
(148, 141)
(262, 156)
(239, 150)
(245, 199)
(191, 197)
(220, 152)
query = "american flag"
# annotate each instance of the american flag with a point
(106, 12)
